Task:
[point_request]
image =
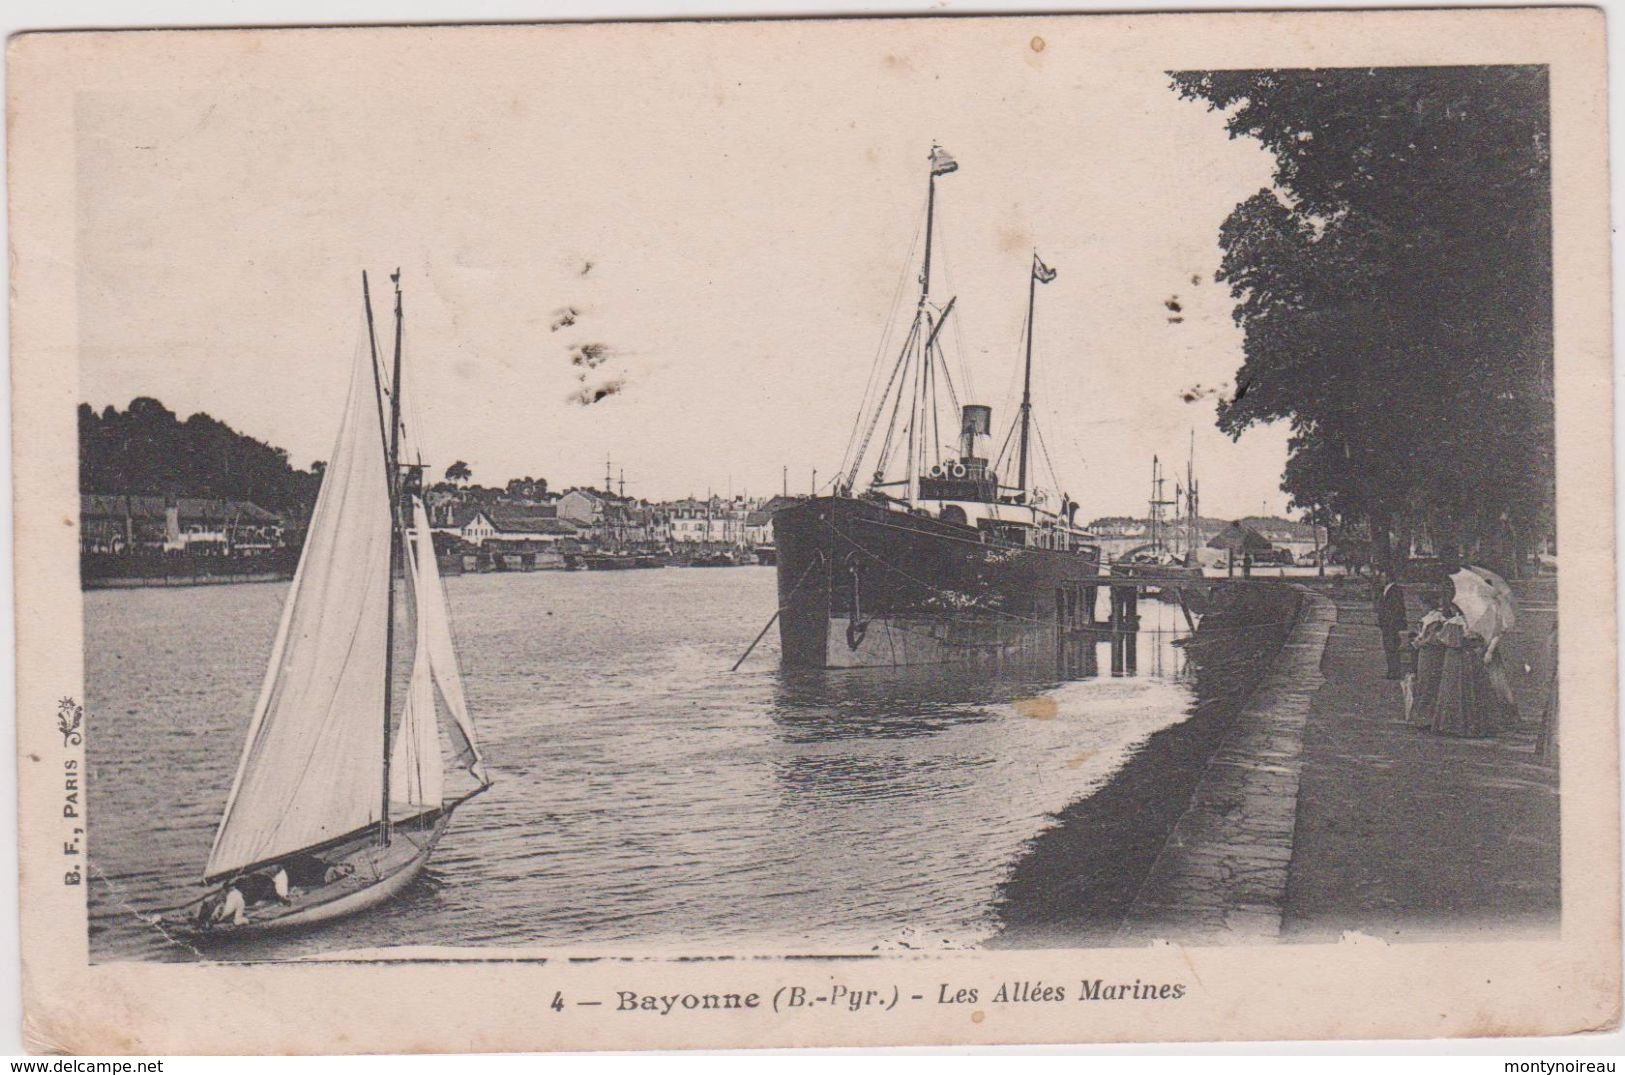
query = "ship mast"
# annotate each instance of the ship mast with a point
(1027, 380)
(922, 335)
(917, 405)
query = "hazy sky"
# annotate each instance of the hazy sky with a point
(745, 196)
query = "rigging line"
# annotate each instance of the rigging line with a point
(964, 363)
(1011, 394)
(411, 401)
(816, 560)
(947, 375)
(856, 463)
(881, 349)
(1054, 477)
(936, 417)
(1004, 449)
(916, 428)
(891, 426)
(948, 282)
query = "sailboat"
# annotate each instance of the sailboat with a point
(1157, 559)
(944, 563)
(339, 800)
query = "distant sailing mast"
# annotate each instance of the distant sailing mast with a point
(1156, 520)
(1193, 506)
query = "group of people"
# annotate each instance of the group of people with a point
(1455, 680)
(229, 906)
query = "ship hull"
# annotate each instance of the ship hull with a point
(864, 585)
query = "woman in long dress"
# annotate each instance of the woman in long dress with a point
(1429, 663)
(1464, 704)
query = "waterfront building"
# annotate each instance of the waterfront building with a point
(198, 526)
(713, 521)
(539, 524)
(1121, 536)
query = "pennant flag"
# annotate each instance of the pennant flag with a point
(941, 162)
(1041, 272)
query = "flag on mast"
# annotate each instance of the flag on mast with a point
(941, 162)
(1041, 272)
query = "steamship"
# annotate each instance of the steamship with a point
(938, 560)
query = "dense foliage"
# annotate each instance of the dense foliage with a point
(1395, 291)
(148, 450)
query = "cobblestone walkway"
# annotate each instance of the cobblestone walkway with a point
(1221, 878)
(1407, 835)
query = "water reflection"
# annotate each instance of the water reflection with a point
(1076, 877)
(647, 799)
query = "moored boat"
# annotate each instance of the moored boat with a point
(945, 563)
(1162, 559)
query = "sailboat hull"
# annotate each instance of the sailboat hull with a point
(379, 875)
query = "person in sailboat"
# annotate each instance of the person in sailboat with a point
(227, 907)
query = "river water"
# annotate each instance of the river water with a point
(646, 797)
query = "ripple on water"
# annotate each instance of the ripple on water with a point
(645, 795)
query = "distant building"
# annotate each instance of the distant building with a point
(1239, 539)
(1121, 536)
(710, 522)
(1300, 539)
(538, 525)
(584, 508)
(112, 523)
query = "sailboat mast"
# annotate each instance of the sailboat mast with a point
(1192, 526)
(1156, 512)
(389, 622)
(1027, 379)
(396, 531)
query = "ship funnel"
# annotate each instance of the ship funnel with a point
(975, 421)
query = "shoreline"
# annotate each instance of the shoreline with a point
(1078, 879)
(162, 582)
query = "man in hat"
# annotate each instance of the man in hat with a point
(1391, 621)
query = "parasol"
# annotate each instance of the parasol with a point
(1485, 601)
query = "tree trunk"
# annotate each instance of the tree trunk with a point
(1401, 552)
(1382, 551)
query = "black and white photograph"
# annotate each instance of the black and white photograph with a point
(937, 493)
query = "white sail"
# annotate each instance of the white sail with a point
(434, 629)
(416, 772)
(312, 766)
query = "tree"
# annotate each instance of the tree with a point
(1394, 288)
(459, 472)
(147, 450)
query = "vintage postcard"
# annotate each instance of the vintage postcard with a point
(815, 532)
